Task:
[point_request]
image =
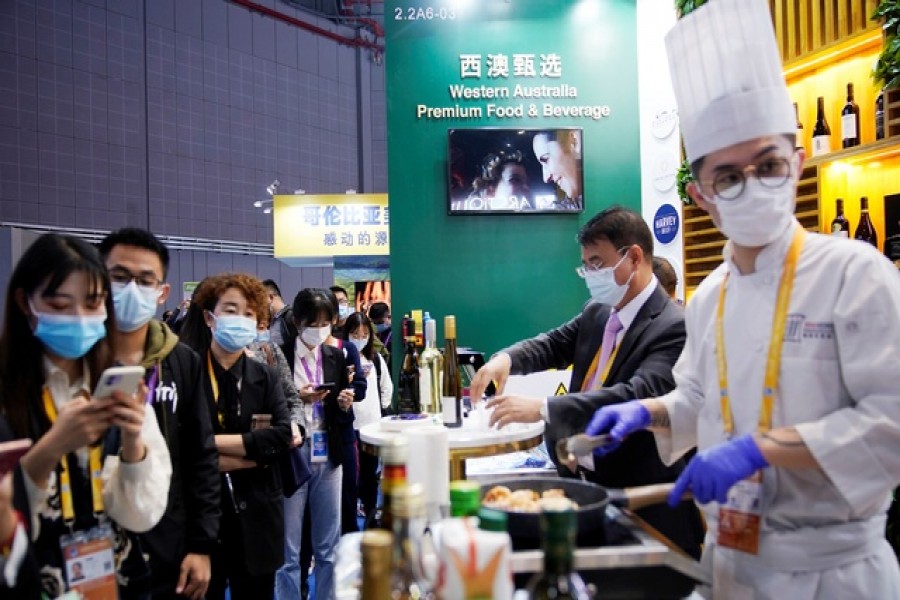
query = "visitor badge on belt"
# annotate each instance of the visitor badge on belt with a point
(739, 517)
(319, 451)
(90, 564)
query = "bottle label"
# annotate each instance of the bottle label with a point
(838, 232)
(821, 145)
(425, 389)
(450, 411)
(848, 127)
(319, 448)
(798, 141)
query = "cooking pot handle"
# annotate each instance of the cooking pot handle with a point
(635, 498)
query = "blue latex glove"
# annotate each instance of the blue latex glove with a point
(618, 420)
(712, 472)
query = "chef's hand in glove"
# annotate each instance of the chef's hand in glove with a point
(618, 420)
(712, 472)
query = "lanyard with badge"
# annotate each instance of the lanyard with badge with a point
(315, 412)
(740, 516)
(88, 555)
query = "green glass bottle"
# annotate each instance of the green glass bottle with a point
(559, 580)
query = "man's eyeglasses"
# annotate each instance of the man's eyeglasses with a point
(771, 172)
(124, 277)
(586, 268)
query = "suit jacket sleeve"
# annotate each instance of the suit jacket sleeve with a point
(200, 477)
(554, 349)
(652, 378)
(263, 445)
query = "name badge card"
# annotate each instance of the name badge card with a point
(90, 564)
(319, 451)
(739, 517)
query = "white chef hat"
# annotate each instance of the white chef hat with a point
(727, 75)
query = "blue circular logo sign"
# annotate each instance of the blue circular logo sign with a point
(665, 224)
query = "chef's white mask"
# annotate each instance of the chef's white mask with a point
(759, 215)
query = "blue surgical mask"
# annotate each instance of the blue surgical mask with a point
(69, 336)
(135, 305)
(360, 344)
(382, 327)
(602, 285)
(233, 332)
(344, 311)
(263, 336)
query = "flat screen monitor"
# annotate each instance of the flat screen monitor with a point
(515, 171)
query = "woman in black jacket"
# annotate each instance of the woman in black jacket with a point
(252, 426)
(315, 364)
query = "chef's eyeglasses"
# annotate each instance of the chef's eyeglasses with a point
(772, 172)
(584, 269)
(123, 276)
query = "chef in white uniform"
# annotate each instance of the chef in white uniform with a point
(789, 383)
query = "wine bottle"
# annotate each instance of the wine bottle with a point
(879, 116)
(850, 121)
(865, 231)
(407, 580)
(798, 141)
(821, 132)
(409, 401)
(451, 396)
(377, 549)
(431, 363)
(559, 580)
(840, 226)
(393, 477)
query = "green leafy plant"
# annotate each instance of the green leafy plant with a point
(887, 69)
(683, 178)
(685, 6)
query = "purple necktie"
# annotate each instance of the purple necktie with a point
(610, 331)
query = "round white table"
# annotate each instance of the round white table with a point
(465, 442)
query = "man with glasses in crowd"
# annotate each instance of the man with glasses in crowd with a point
(622, 345)
(181, 543)
(788, 383)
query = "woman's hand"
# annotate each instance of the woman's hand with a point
(296, 436)
(309, 394)
(81, 422)
(127, 412)
(345, 399)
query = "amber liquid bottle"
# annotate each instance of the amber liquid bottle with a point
(377, 550)
(865, 231)
(798, 141)
(408, 395)
(451, 395)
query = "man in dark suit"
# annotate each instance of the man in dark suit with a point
(622, 346)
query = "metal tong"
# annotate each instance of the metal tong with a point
(569, 449)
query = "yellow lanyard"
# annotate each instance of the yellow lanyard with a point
(773, 362)
(95, 461)
(595, 364)
(215, 386)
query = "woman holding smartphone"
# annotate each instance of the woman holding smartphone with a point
(252, 427)
(99, 468)
(329, 415)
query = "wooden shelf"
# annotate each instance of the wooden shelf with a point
(886, 148)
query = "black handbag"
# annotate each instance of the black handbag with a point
(295, 471)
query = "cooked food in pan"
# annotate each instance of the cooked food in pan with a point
(523, 500)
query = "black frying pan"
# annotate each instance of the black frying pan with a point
(524, 528)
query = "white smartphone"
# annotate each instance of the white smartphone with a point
(123, 379)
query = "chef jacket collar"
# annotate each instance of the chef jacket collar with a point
(770, 259)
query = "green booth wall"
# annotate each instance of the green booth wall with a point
(505, 277)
